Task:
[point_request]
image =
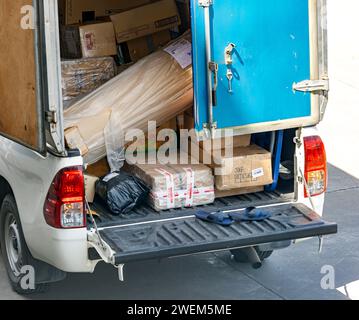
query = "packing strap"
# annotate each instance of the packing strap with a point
(189, 186)
(170, 187)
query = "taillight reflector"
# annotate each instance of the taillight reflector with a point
(315, 166)
(64, 206)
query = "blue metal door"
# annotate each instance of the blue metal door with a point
(258, 49)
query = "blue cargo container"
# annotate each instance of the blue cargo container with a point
(258, 65)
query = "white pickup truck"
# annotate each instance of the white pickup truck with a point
(43, 215)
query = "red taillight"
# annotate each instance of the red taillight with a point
(315, 166)
(64, 207)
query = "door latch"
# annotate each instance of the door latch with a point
(228, 58)
(213, 67)
(312, 85)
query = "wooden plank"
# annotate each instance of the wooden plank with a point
(18, 107)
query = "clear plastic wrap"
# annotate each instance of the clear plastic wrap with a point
(154, 89)
(177, 186)
(82, 76)
(114, 142)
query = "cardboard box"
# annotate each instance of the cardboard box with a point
(79, 11)
(145, 20)
(184, 9)
(99, 169)
(74, 140)
(98, 40)
(216, 144)
(221, 144)
(226, 142)
(142, 47)
(88, 41)
(237, 192)
(147, 145)
(90, 187)
(249, 167)
(177, 186)
(70, 42)
(189, 122)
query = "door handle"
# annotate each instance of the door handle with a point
(214, 69)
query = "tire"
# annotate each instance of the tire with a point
(240, 256)
(15, 252)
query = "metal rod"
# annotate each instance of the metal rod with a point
(207, 22)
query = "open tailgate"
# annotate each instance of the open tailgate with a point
(188, 235)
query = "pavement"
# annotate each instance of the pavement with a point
(294, 273)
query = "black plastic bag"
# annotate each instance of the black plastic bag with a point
(121, 192)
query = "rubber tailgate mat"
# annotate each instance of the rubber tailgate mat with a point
(189, 235)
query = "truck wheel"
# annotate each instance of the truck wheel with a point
(15, 252)
(240, 255)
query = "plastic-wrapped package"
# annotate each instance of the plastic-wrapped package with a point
(121, 192)
(82, 76)
(154, 89)
(177, 186)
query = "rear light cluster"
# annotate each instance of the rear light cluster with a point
(64, 207)
(315, 166)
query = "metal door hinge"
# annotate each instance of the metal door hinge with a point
(205, 3)
(51, 117)
(312, 85)
(208, 126)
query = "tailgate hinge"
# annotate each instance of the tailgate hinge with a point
(312, 85)
(205, 3)
(103, 249)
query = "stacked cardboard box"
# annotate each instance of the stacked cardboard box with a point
(143, 30)
(82, 11)
(177, 186)
(143, 24)
(142, 47)
(184, 9)
(245, 169)
(238, 167)
(88, 41)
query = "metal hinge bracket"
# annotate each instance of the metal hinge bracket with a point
(205, 3)
(51, 117)
(208, 126)
(312, 85)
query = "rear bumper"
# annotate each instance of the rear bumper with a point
(188, 235)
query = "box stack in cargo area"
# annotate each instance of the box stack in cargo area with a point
(122, 30)
(176, 186)
(142, 46)
(239, 167)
